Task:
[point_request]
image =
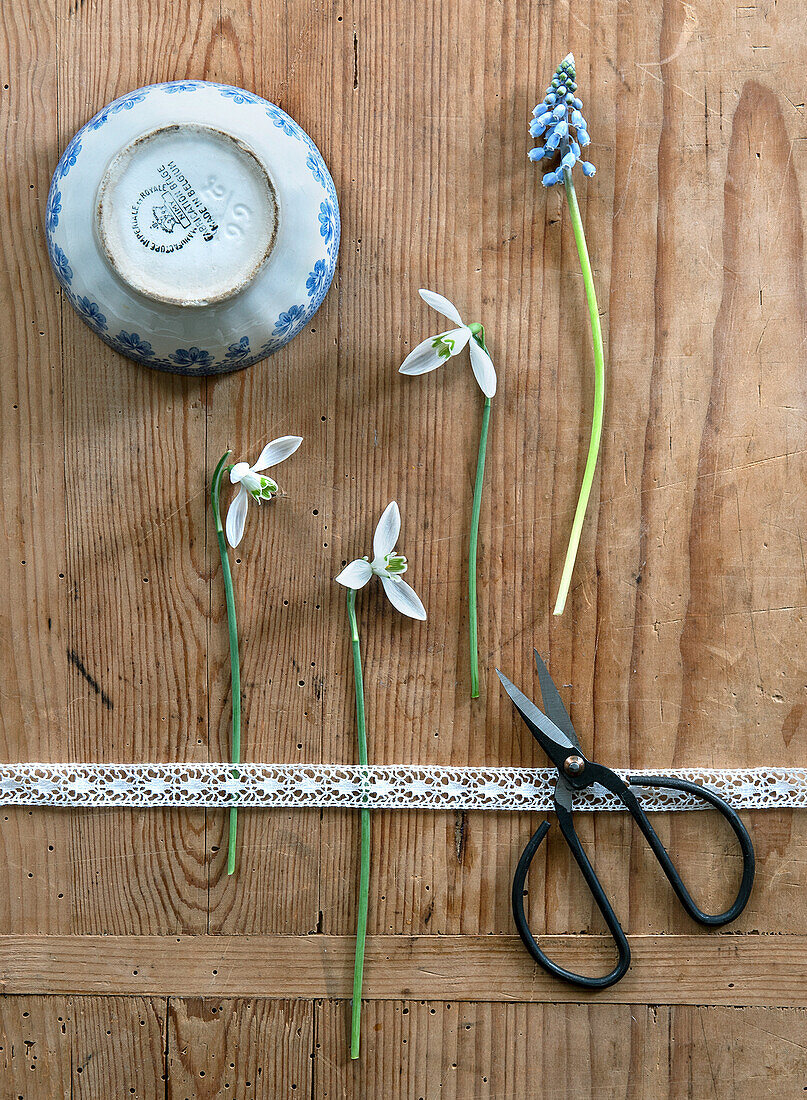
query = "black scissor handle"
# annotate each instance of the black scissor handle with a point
(597, 892)
(713, 920)
(612, 782)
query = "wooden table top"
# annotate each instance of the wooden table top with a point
(133, 965)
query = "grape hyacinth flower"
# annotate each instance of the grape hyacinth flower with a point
(251, 482)
(558, 123)
(428, 355)
(388, 565)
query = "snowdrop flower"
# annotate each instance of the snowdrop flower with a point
(559, 123)
(436, 349)
(387, 565)
(254, 483)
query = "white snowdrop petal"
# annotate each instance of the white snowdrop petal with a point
(484, 371)
(238, 471)
(237, 517)
(460, 336)
(277, 450)
(403, 597)
(421, 359)
(387, 531)
(442, 305)
(356, 574)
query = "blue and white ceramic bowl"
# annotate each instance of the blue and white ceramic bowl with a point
(193, 226)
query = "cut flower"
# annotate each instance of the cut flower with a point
(558, 122)
(554, 120)
(254, 483)
(387, 565)
(434, 350)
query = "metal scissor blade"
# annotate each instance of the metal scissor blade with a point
(552, 740)
(553, 704)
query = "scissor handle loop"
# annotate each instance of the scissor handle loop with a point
(713, 920)
(597, 892)
(613, 782)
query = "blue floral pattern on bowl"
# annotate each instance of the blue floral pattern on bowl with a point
(90, 313)
(327, 226)
(283, 122)
(177, 86)
(240, 350)
(315, 167)
(286, 321)
(61, 265)
(316, 279)
(238, 95)
(54, 208)
(70, 156)
(193, 359)
(125, 103)
(135, 346)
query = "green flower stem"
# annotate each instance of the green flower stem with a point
(364, 874)
(599, 393)
(473, 542)
(235, 662)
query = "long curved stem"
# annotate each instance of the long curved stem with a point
(473, 541)
(235, 661)
(599, 393)
(364, 873)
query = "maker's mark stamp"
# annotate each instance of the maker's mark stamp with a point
(169, 214)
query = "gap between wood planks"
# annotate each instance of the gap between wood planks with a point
(729, 969)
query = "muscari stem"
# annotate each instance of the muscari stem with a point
(473, 541)
(599, 393)
(364, 873)
(235, 662)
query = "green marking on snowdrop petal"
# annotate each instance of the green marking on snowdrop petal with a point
(266, 489)
(395, 563)
(444, 346)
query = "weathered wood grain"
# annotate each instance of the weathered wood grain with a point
(117, 1045)
(35, 695)
(418, 1049)
(35, 1056)
(718, 969)
(218, 1048)
(79, 1047)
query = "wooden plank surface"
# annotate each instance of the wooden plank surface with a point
(721, 969)
(429, 1048)
(683, 643)
(491, 1051)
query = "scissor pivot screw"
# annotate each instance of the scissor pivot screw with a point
(574, 765)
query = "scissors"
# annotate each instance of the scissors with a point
(555, 734)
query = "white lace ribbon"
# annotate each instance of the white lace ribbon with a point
(396, 787)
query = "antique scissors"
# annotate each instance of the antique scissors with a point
(555, 734)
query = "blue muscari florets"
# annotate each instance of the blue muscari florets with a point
(554, 121)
